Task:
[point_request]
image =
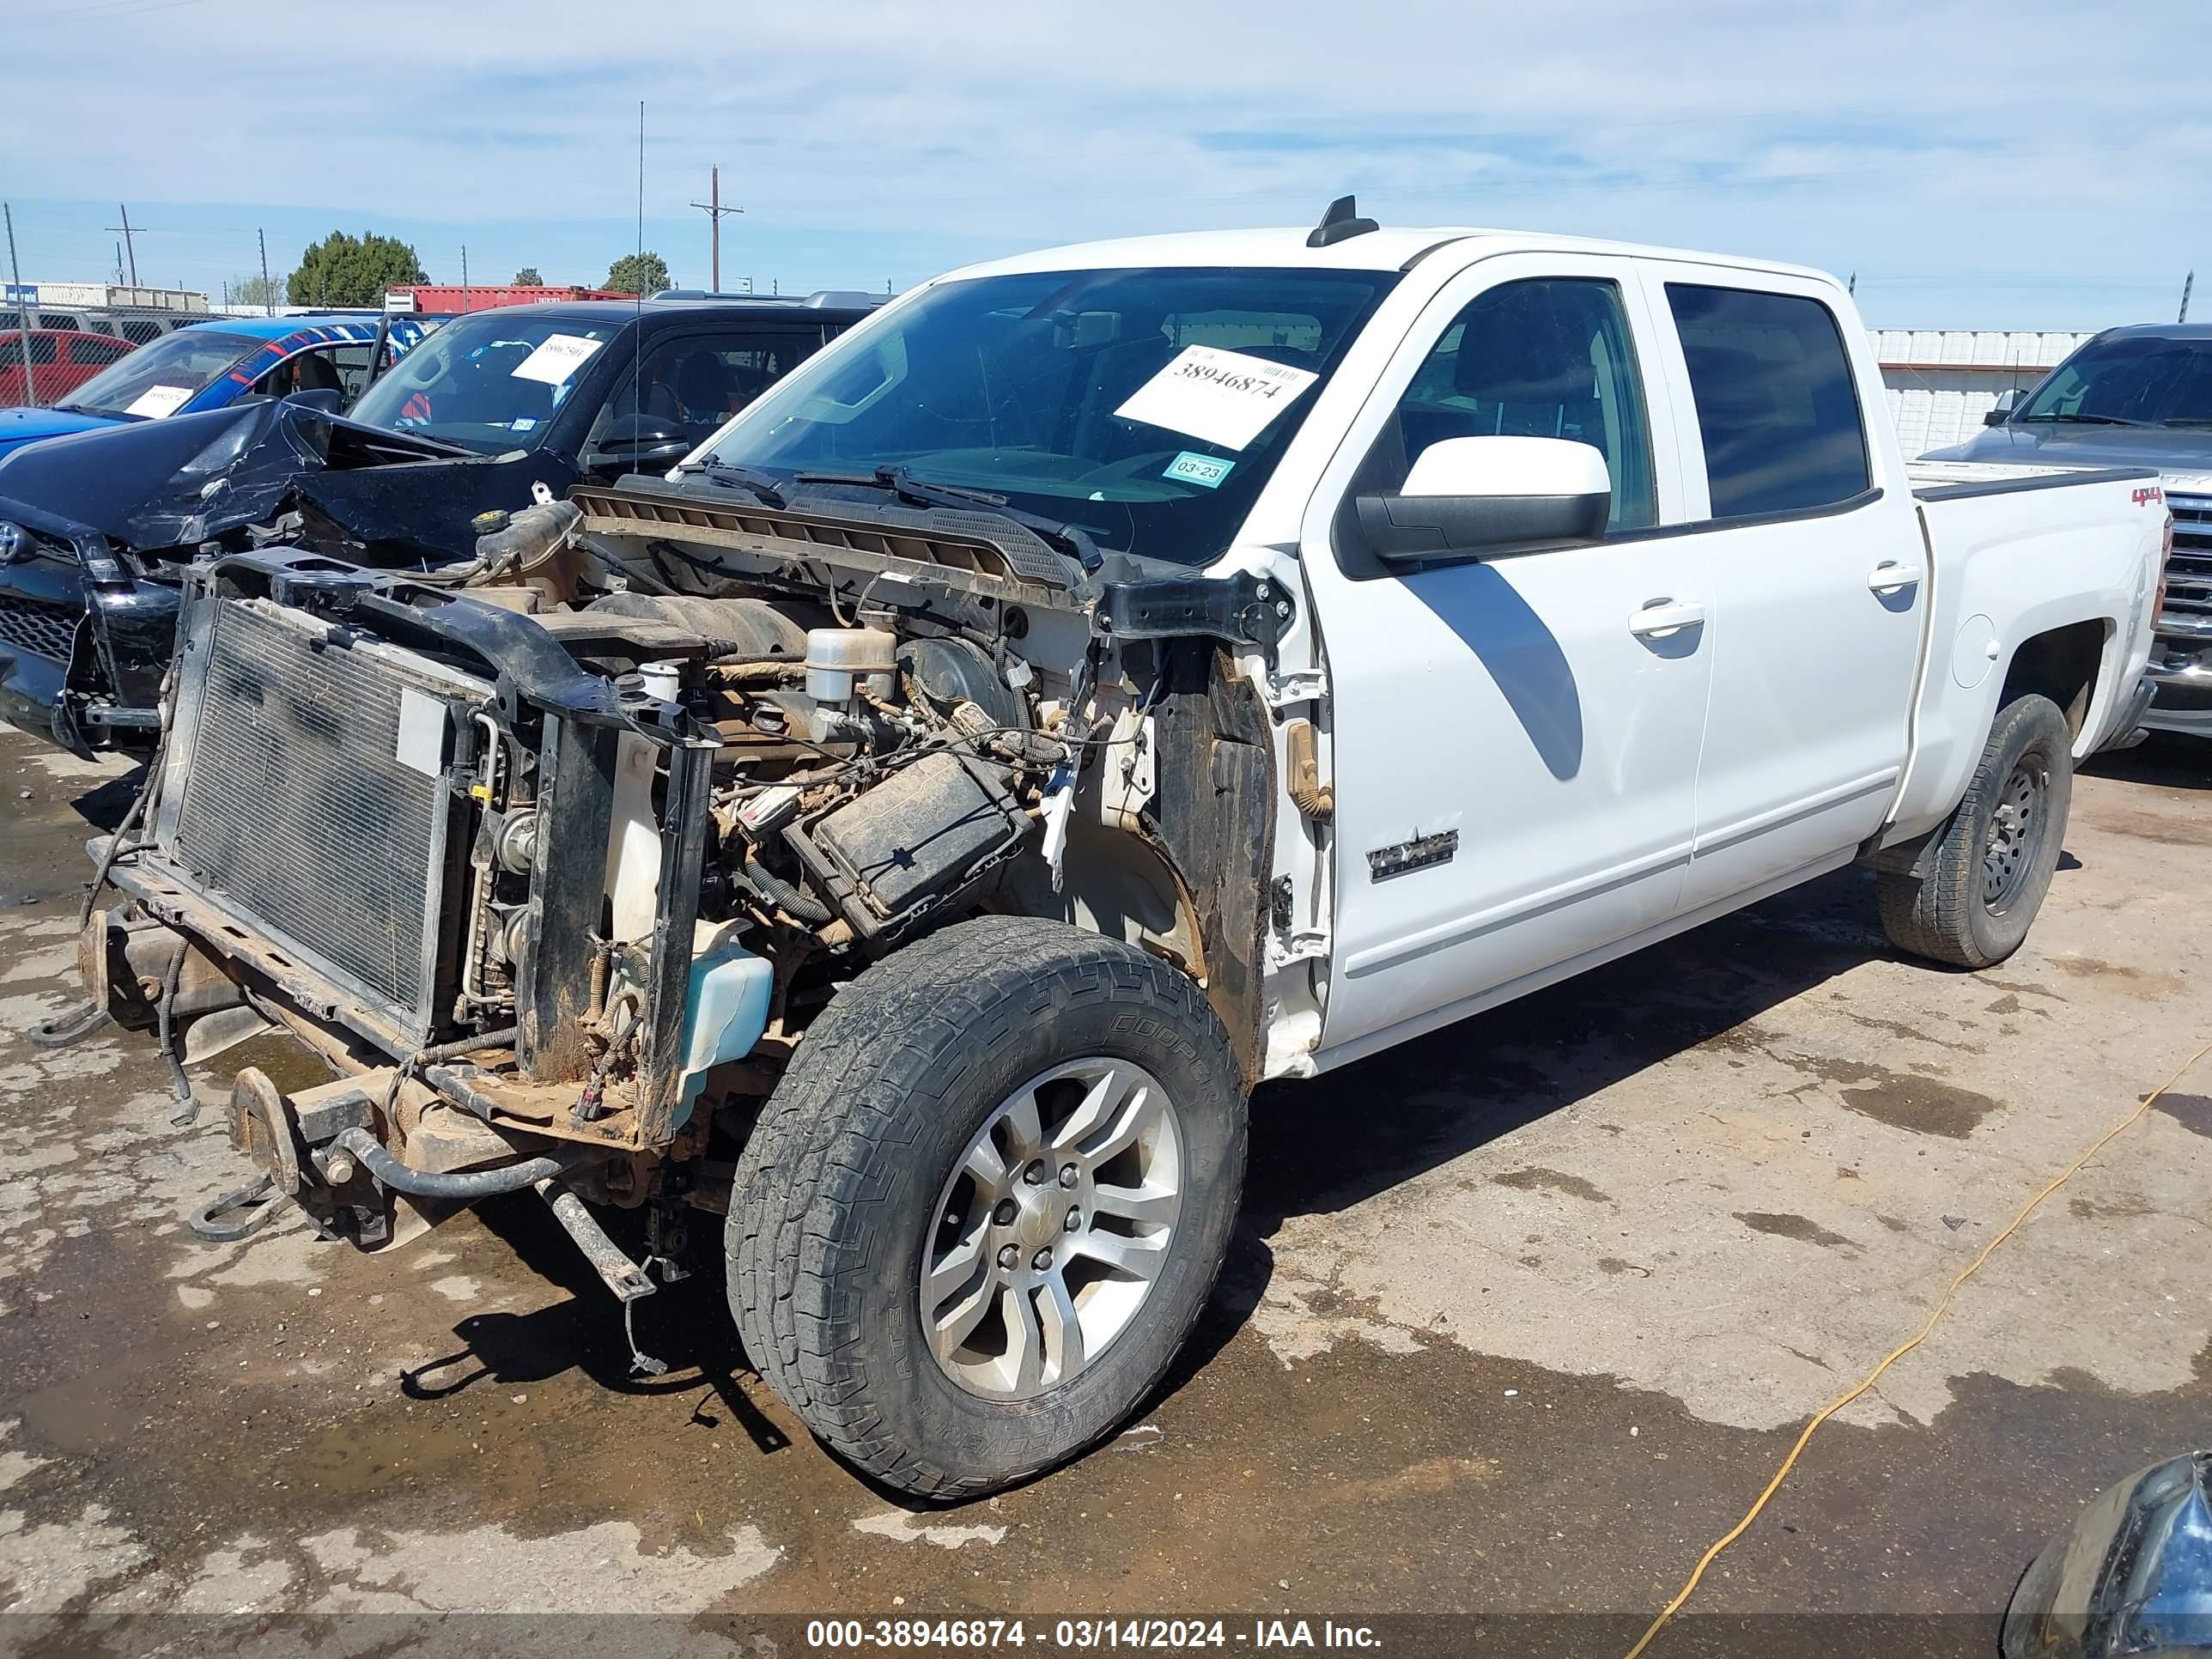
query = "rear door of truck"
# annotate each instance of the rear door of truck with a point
(1819, 591)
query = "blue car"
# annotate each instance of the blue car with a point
(210, 364)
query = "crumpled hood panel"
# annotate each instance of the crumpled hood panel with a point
(156, 486)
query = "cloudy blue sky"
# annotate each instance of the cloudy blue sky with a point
(2024, 164)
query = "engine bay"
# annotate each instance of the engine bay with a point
(585, 833)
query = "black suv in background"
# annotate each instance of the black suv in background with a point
(96, 527)
(2139, 396)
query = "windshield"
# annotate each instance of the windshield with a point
(490, 382)
(162, 378)
(1146, 407)
(2134, 380)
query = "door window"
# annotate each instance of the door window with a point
(1776, 404)
(697, 382)
(1546, 358)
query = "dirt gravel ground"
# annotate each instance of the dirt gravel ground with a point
(1520, 1317)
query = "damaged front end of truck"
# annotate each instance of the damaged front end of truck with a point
(557, 876)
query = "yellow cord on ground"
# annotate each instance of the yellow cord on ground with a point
(1942, 1306)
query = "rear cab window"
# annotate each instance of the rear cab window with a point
(695, 380)
(1778, 404)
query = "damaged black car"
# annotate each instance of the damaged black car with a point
(491, 413)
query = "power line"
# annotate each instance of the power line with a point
(129, 246)
(713, 208)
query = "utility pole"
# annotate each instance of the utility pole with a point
(713, 208)
(130, 247)
(464, 279)
(22, 319)
(2187, 282)
(268, 294)
(1851, 288)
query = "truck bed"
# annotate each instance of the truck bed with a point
(1946, 481)
(2023, 544)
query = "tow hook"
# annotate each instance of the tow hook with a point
(265, 1129)
(631, 1282)
(261, 1129)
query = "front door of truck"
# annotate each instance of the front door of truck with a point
(1514, 742)
(1819, 587)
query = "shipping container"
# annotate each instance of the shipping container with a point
(452, 299)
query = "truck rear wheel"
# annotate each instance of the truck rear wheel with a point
(1986, 874)
(987, 1203)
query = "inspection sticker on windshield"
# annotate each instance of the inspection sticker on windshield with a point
(1190, 467)
(155, 401)
(561, 355)
(1222, 398)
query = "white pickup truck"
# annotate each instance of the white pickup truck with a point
(1098, 681)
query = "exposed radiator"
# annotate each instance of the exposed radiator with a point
(299, 809)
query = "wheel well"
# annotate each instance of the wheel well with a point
(1116, 884)
(2061, 665)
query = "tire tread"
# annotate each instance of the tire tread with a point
(799, 1199)
(1932, 915)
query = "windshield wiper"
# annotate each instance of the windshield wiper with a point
(2187, 420)
(1069, 539)
(762, 487)
(2082, 420)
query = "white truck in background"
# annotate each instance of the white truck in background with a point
(1100, 681)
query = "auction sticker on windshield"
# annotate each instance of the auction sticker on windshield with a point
(561, 355)
(155, 401)
(1219, 396)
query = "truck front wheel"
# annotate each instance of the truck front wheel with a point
(988, 1202)
(1984, 877)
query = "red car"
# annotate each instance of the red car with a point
(62, 360)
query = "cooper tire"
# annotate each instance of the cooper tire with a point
(1988, 870)
(835, 1208)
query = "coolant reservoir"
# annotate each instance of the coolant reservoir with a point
(728, 1006)
(633, 841)
(835, 655)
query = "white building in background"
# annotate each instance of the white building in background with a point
(107, 296)
(1940, 382)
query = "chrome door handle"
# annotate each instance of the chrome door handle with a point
(1889, 576)
(1664, 616)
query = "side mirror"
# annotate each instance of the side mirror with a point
(636, 441)
(1488, 498)
(2007, 401)
(329, 399)
(2133, 1576)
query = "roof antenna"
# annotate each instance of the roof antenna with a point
(637, 340)
(1340, 221)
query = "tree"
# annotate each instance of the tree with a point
(527, 277)
(638, 273)
(353, 271)
(258, 290)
